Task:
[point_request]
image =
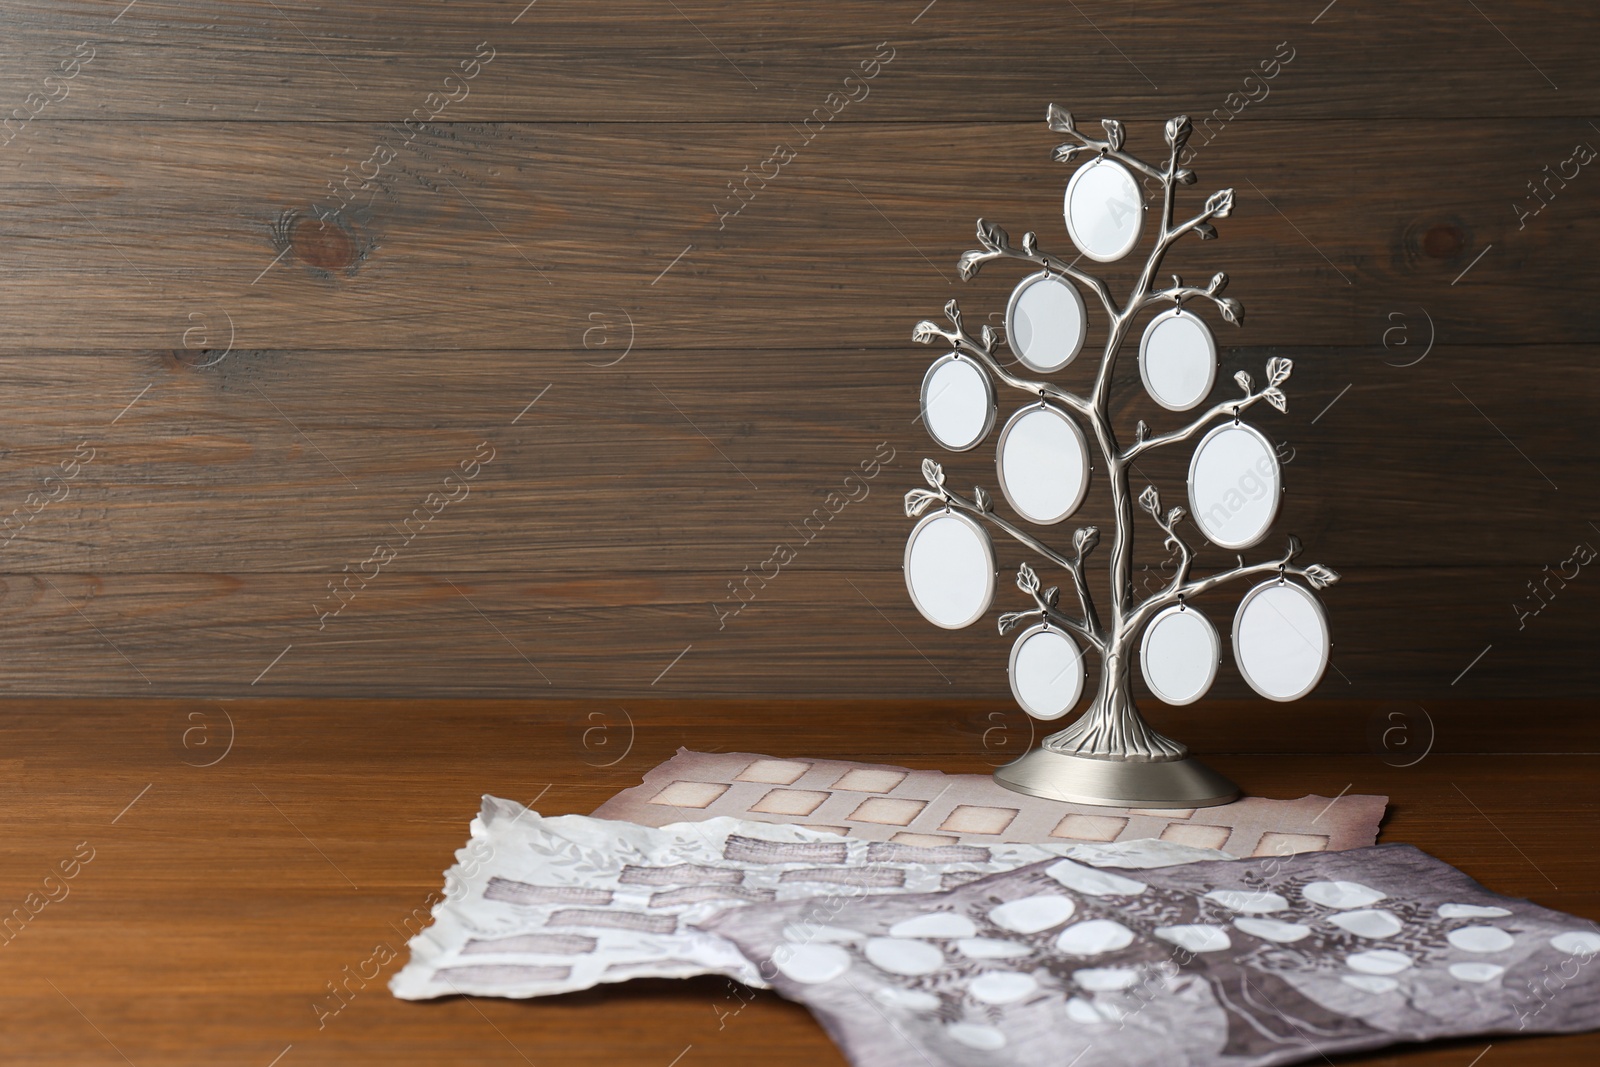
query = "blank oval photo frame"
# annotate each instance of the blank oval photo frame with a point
(1179, 655)
(1234, 485)
(1045, 322)
(1042, 462)
(949, 565)
(1103, 210)
(1280, 640)
(1046, 672)
(1178, 359)
(958, 402)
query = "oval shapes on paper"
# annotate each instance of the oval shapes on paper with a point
(813, 964)
(1046, 672)
(1178, 654)
(1093, 937)
(1480, 939)
(957, 402)
(982, 1037)
(1043, 464)
(1103, 209)
(934, 924)
(1473, 911)
(1178, 359)
(991, 948)
(912, 999)
(1029, 915)
(1248, 901)
(1476, 972)
(1196, 937)
(1272, 929)
(1368, 983)
(901, 956)
(949, 567)
(1002, 987)
(1368, 923)
(1093, 881)
(1342, 894)
(1280, 643)
(1105, 979)
(1379, 961)
(1045, 322)
(1234, 485)
(1576, 943)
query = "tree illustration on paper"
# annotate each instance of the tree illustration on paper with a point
(1112, 727)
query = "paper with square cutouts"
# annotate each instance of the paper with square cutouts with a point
(1247, 963)
(878, 802)
(539, 905)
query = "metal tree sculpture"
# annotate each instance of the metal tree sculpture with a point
(1109, 754)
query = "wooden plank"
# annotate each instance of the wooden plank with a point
(302, 461)
(813, 631)
(489, 234)
(633, 61)
(216, 907)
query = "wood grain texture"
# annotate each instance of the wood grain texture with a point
(259, 368)
(224, 898)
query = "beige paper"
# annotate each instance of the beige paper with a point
(879, 802)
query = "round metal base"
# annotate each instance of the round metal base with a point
(1185, 783)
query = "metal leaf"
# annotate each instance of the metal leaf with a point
(1220, 204)
(1052, 596)
(969, 264)
(925, 332)
(991, 235)
(1278, 370)
(1321, 577)
(1150, 500)
(1084, 539)
(1141, 431)
(1058, 119)
(1012, 619)
(1027, 580)
(1246, 382)
(933, 473)
(952, 311)
(1232, 310)
(917, 501)
(1030, 243)
(1185, 176)
(981, 496)
(1275, 397)
(1114, 133)
(987, 337)
(1066, 153)
(1178, 131)
(1219, 282)
(1175, 515)
(994, 238)
(1294, 546)
(1206, 231)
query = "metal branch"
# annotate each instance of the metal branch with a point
(982, 349)
(997, 245)
(1061, 121)
(1028, 582)
(1232, 311)
(1089, 627)
(1278, 371)
(1318, 575)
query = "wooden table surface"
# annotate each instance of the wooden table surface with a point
(221, 900)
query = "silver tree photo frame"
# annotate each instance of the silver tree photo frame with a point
(1109, 755)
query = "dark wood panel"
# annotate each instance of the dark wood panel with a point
(207, 923)
(300, 460)
(813, 632)
(633, 60)
(493, 233)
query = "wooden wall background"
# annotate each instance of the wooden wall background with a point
(220, 403)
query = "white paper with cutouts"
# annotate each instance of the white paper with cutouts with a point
(538, 905)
